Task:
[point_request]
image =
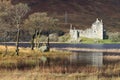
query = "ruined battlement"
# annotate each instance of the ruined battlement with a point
(96, 31)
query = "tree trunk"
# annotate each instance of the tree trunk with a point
(35, 39)
(17, 42)
(39, 34)
(48, 44)
(32, 42)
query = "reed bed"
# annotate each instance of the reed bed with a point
(53, 65)
(111, 58)
(93, 50)
(36, 75)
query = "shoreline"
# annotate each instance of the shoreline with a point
(79, 49)
(67, 43)
(90, 50)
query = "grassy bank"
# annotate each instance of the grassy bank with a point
(36, 75)
(97, 41)
(93, 50)
(108, 72)
(27, 58)
(53, 65)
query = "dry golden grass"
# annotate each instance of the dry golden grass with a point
(36, 75)
(94, 50)
(28, 51)
(26, 66)
(112, 57)
(27, 58)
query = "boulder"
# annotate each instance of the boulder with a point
(44, 48)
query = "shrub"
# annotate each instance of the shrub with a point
(43, 38)
(53, 37)
(115, 37)
(64, 38)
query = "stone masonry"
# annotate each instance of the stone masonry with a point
(96, 31)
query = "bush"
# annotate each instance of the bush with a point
(53, 37)
(43, 38)
(64, 38)
(115, 37)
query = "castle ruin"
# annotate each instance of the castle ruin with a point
(96, 31)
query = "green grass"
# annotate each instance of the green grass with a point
(97, 41)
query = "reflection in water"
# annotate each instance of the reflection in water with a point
(85, 58)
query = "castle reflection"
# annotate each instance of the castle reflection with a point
(87, 58)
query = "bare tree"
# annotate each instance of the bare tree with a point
(37, 22)
(17, 14)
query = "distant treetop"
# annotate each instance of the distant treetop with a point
(5, 1)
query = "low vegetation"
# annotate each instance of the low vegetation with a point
(36, 75)
(114, 37)
(64, 38)
(98, 41)
(53, 65)
(27, 57)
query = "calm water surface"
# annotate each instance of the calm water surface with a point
(65, 45)
(81, 58)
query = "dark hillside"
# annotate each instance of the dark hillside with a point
(81, 13)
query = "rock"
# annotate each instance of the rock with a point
(44, 48)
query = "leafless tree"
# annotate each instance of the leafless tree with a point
(37, 22)
(17, 14)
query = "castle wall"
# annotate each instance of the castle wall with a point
(96, 31)
(74, 34)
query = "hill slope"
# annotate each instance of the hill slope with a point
(81, 13)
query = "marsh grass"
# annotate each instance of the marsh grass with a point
(53, 65)
(112, 58)
(36, 75)
(93, 50)
(27, 58)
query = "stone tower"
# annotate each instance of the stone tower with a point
(97, 28)
(74, 34)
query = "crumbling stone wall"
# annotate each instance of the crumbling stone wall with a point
(96, 31)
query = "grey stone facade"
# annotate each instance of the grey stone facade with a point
(96, 31)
